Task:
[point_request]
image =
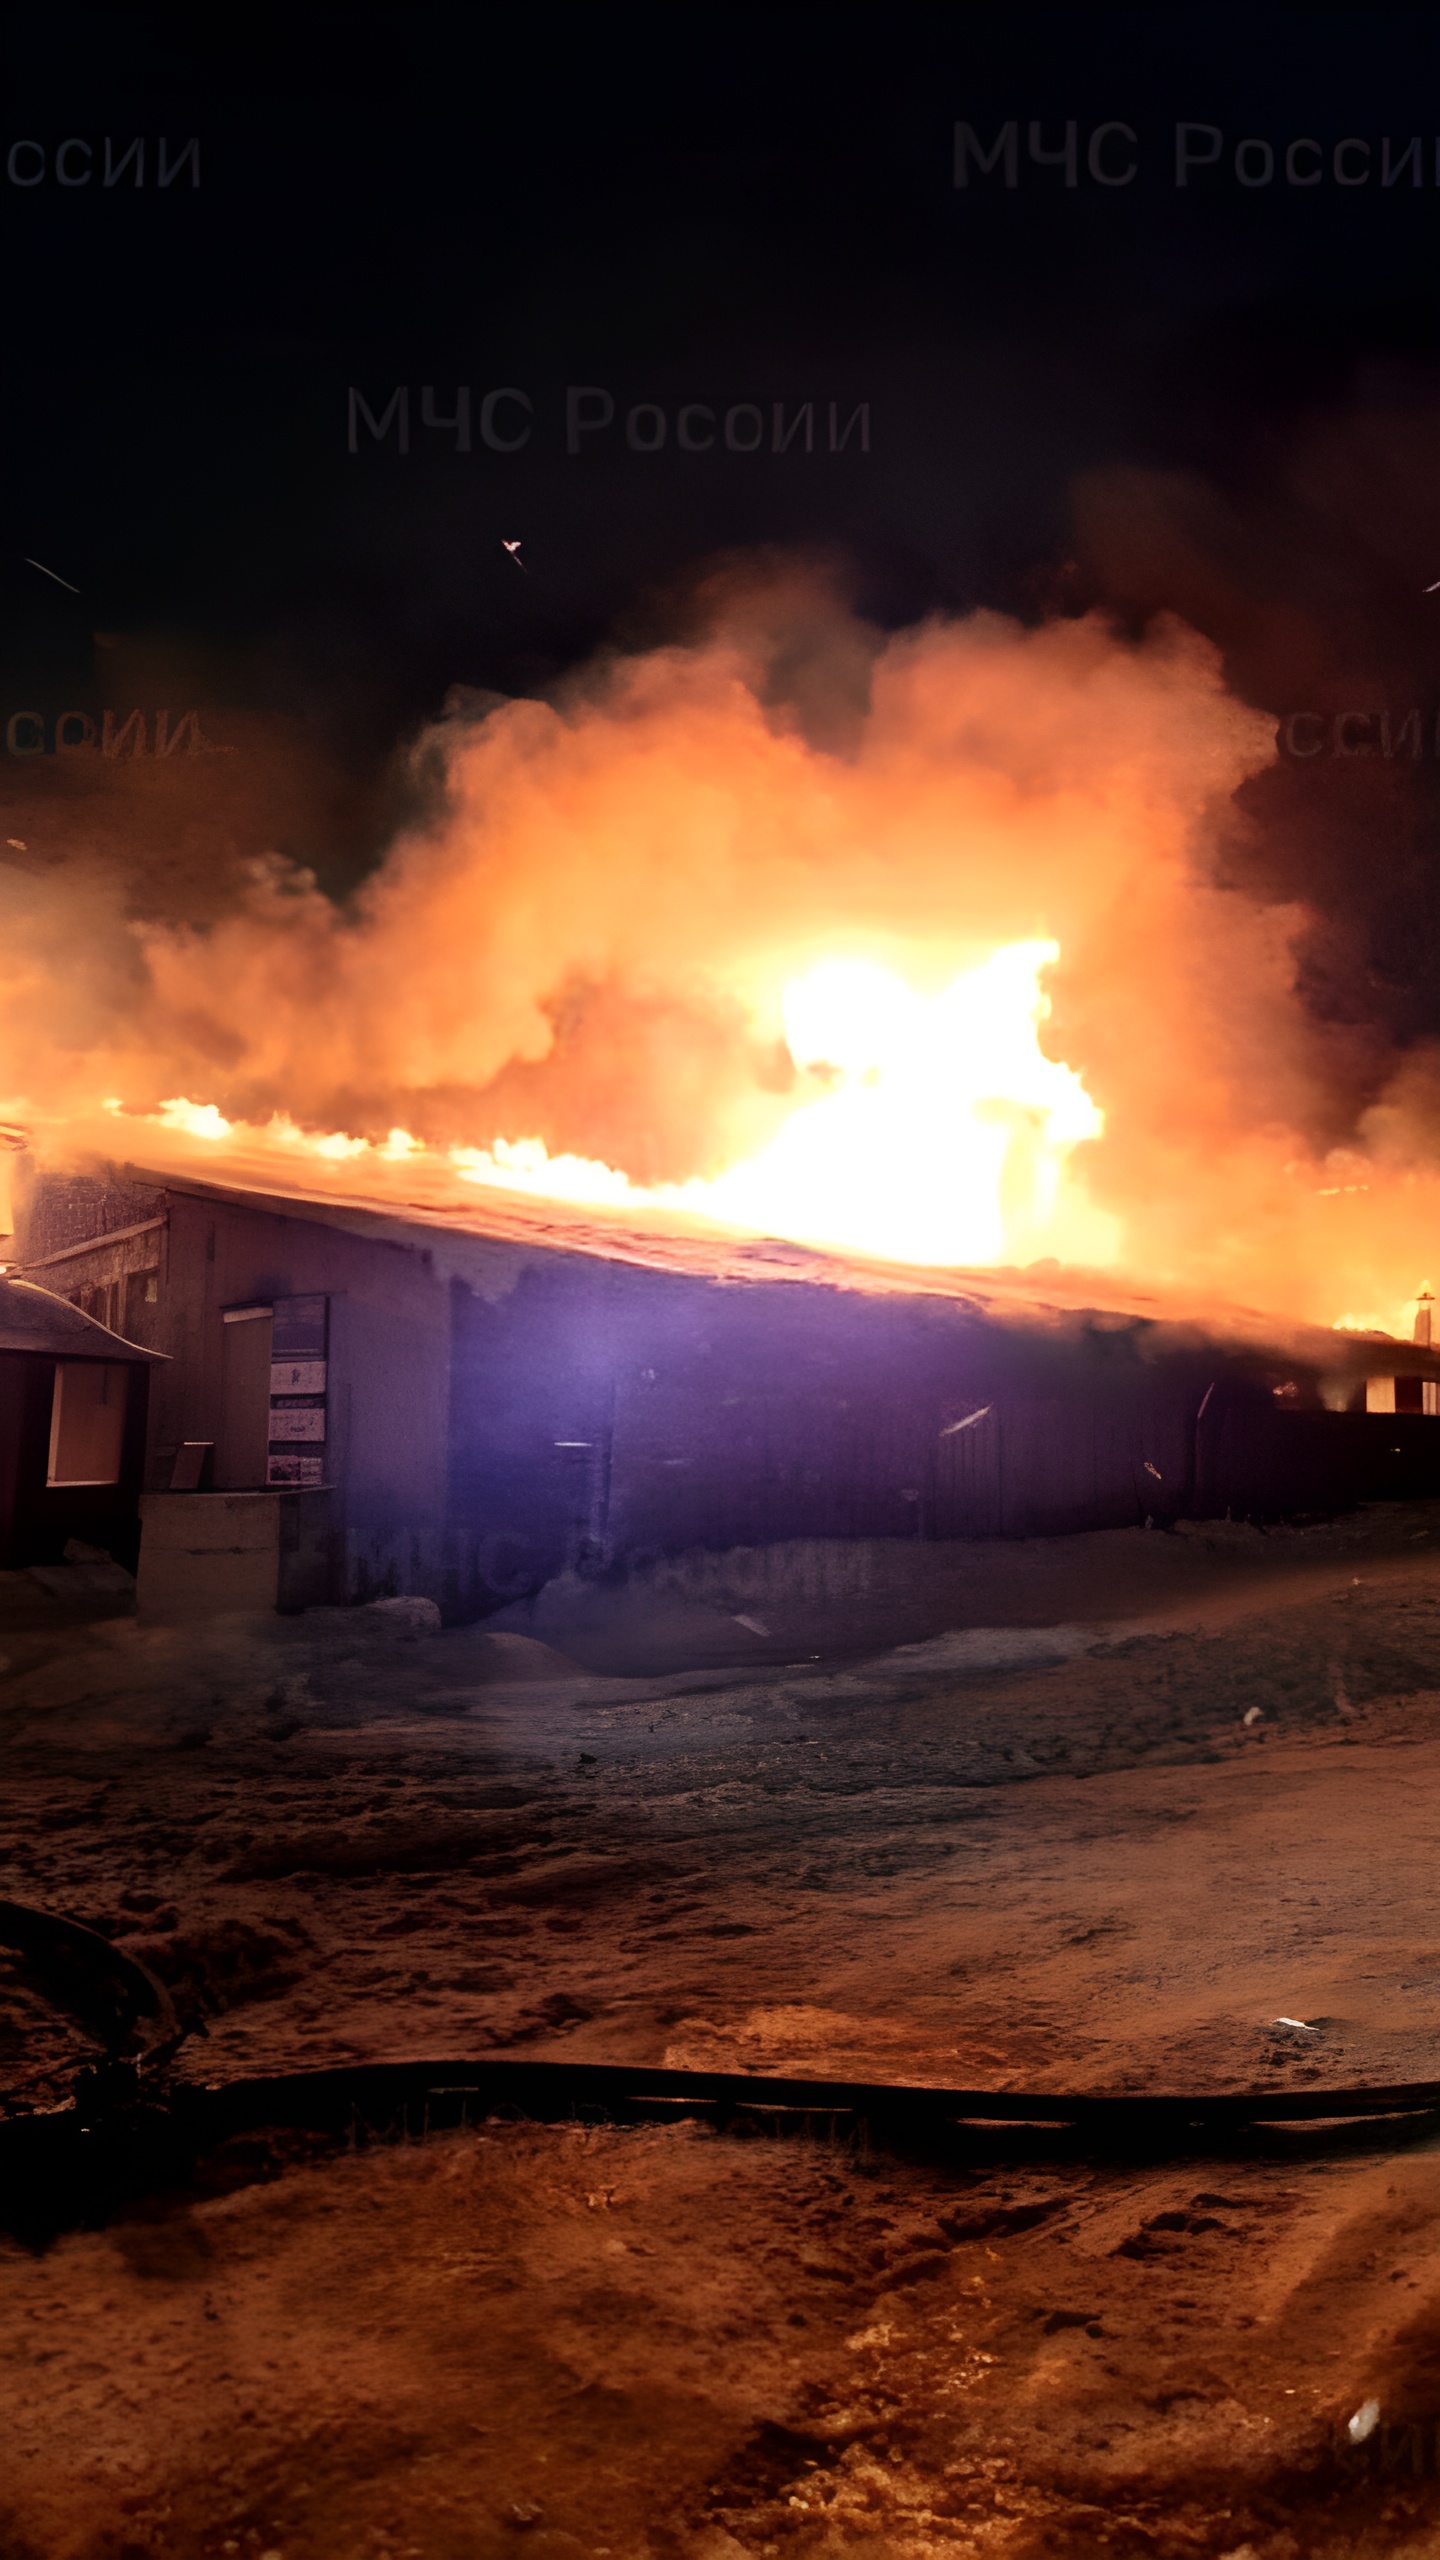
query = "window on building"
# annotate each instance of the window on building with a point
(1402, 1395)
(87, 1421)
(142, 1292)
(102, 1300)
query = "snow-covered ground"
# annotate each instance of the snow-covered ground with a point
(1096, 1815)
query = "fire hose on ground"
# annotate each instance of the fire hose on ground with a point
(132, 2126)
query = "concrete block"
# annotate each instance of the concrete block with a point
(207, 1554)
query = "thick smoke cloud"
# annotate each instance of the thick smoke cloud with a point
(587, 938)
(1305, 555)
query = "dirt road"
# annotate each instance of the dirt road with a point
(1110, 1848)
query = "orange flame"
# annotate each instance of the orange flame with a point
(928, 961)
(944, 1137)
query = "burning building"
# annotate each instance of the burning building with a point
(358, 1402)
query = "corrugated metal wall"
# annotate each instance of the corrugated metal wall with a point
(709, 1415)
(705, 1415)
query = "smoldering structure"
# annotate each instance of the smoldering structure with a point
(357, 1404)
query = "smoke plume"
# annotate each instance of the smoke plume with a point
(587, 938)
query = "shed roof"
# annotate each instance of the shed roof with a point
(513, 1229)
(34, 1319)
(489, 1240)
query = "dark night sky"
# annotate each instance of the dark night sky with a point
(1221, 398)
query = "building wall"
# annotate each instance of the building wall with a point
(385, 1452)
(531, 1398)
(605, 1414)
(117, 1278)
(601, 1412)
(56, 1209)
(497, 1413)
(1266, 1460)
(387, 1404)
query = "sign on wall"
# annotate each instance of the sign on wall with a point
(299, 1372)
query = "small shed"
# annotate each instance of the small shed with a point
(73, 1400)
